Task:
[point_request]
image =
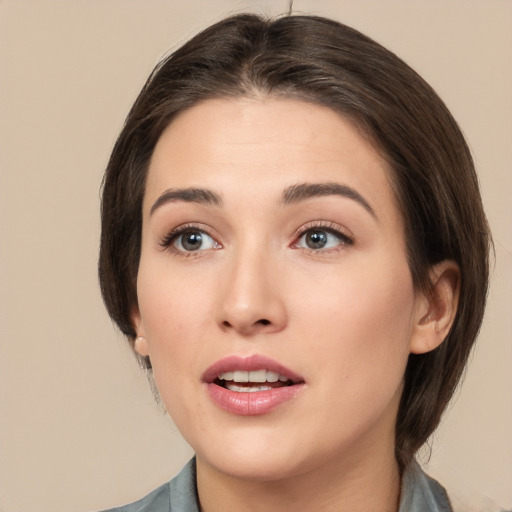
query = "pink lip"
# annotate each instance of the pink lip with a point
(256, 403)
(254, 362)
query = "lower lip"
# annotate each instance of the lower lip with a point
(252, 404)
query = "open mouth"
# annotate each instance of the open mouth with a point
(242, 381)
(251, 385)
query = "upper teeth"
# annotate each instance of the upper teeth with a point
(253, 376)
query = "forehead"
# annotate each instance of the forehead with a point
(264, 145)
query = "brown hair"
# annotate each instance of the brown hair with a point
(324, 62)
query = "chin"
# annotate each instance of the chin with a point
(254, 456)
(255, 466)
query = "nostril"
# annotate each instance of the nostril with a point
(242, 326)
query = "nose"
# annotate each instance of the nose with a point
(251, 301)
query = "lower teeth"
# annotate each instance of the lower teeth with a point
(246, 389)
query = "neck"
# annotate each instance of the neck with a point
(373, 484)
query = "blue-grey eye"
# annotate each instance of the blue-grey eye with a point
(194, 240)
(320, 239)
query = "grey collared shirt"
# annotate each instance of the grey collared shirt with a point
(420, 493)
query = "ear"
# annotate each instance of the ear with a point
(436, 311)
(140, 344)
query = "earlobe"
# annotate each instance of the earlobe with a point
(437, 310)
(140, 344)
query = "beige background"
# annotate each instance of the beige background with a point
(78, 428)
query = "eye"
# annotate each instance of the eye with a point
(194, 240)
(190, 239)
(322, 238)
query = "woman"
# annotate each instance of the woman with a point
(294, 243)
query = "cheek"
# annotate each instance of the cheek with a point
(172, 324)
(171, 301)
(174, 313)
(362, 345)
(362, 318)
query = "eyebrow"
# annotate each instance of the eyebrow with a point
(292, 194)
(189, 195)
(303, 191)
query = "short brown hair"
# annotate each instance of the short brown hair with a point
(321, 61)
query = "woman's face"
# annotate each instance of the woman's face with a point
(273, 250)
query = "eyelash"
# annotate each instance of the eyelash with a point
(328, 227)
(169, 239)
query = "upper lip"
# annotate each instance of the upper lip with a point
(248, 363)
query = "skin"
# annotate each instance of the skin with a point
(344, 317)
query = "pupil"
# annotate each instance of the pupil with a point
(192, 241)
(316, 239)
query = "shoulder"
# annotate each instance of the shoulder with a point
(155, 501)
(473, 501)
(421, 493)
(178, 495)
